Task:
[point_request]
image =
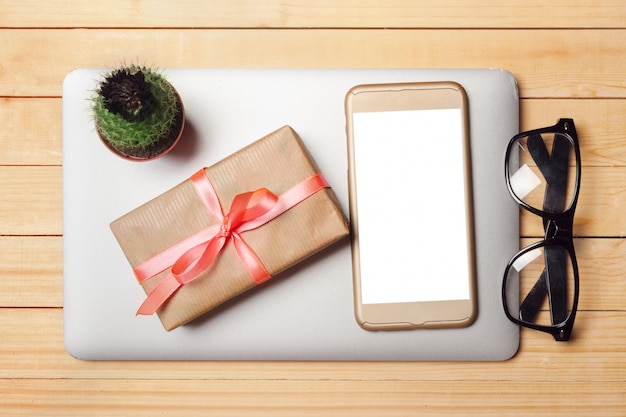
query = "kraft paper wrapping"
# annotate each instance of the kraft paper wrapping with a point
(276, 162)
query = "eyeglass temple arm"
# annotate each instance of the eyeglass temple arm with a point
(554, 168)
(554, 277)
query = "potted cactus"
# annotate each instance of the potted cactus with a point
(138, 114)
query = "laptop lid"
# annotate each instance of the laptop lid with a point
(307, 312)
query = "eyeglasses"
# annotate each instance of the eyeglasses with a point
(542, 169)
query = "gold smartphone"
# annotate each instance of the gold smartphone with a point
(411, 207)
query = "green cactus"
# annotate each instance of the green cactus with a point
(137, 112)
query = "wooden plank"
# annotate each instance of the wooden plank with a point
(322, 13)
(303, 397)
(599, 126)
(601, 265)
(31, 131)
(600, 205)
(32, 271)
(573, 63)
(32, 347)
(599, 122)
(31, 201)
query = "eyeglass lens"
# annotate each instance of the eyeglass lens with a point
(545, 278)
(542, 169)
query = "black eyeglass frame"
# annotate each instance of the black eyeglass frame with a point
(558, 227)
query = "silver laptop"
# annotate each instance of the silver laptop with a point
(305, 313)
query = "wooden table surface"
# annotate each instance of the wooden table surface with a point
(570, 61)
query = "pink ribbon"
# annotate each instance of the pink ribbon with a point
(192, 256)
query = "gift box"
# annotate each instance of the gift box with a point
(229, 227)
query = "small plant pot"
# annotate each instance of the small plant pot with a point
(159, 148)
(138, 114)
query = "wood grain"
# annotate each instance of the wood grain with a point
(554, 68)
(33, 272)
(600, 125)
(301, 397)
(29, 140)
(599, 122)
(33, 202)
(34, 349)
(600, 205)
(322, 13)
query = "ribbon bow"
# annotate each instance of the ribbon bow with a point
(191, 257)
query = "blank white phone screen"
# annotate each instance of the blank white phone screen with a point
(410, 194)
